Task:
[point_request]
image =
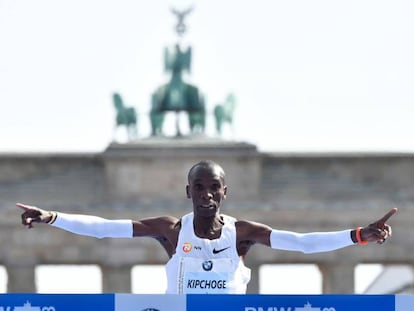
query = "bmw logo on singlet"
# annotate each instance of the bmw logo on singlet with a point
(207, 265)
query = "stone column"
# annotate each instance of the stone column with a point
(337, 278)
(116, 279)
(21, 278)
(253, 286)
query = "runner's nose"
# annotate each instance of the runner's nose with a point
(206, 194)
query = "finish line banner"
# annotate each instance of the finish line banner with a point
(56, 302)
(134, 302)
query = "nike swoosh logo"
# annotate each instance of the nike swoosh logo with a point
(216, 251)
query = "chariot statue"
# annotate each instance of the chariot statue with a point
(177, 95)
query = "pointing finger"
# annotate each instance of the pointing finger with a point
(24, 206)
(387, 215)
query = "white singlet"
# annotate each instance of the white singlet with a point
(203, 266)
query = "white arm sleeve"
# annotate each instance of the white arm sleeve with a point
(307, 243)
(94, 226)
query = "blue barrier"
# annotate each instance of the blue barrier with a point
(56, 302)
(134, 302)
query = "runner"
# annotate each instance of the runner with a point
(207, 248)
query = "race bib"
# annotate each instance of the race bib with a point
(206, 282)
(197, 276)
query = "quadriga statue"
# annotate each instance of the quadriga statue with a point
(177, 95)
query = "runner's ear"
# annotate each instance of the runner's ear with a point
(187, 190)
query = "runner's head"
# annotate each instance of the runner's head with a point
(206, 187)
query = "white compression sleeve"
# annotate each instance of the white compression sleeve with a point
(94, 226)
(307, 243)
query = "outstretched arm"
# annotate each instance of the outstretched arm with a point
(156, 227)
(164, 229)
(88, 225)
(314, 242)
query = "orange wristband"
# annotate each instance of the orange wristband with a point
(358, 237)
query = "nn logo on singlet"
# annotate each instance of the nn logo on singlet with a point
(187, 247)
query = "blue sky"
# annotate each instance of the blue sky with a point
(316, 75)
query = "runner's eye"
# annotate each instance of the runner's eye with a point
(215, 187)
(198, 187)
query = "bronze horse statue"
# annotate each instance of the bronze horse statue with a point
(125, 116)
(223, 113)
(177, 95)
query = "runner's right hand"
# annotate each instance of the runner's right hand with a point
(33, 214)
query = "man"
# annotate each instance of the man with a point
(206, 248)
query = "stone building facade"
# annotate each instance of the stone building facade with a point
(299, 192)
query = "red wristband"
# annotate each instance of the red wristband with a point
(358, 237)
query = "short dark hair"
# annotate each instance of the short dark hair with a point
(207, 164)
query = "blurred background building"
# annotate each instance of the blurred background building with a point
(300, 192)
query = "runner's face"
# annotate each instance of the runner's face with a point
(207, 190)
